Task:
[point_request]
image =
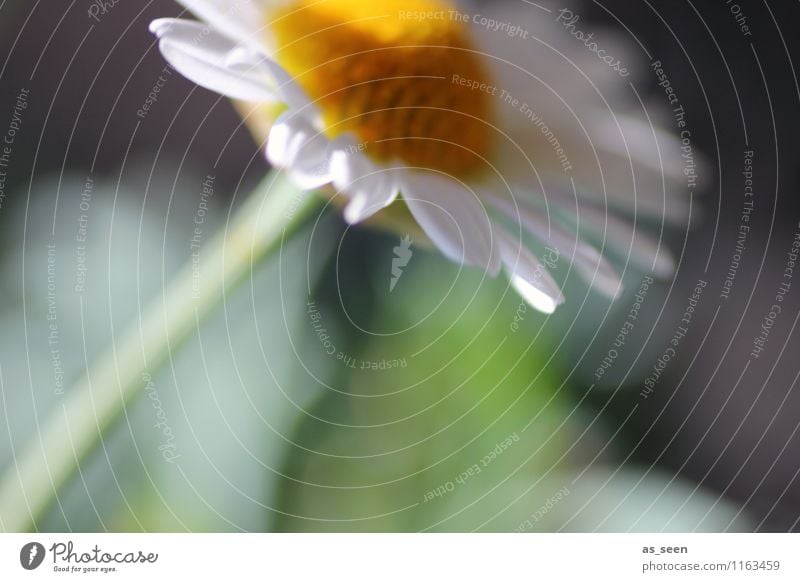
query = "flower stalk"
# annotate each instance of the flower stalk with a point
(74, 428)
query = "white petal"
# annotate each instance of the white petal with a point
(452, 217)
(603, 176)
(239, 20)
(528, 275)
(295, 145)
(645, 252)
(242, 58)
(311, 170)
(291, 93)
(588, 261)
(622, 235)
(369, 188)
(371, 197)
(602, 277)
(554, 66)
(199, 53)
(629, 186)
(348, 165)
(645, 144)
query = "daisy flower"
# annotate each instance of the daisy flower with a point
(494, 132)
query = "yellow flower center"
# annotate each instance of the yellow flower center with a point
(399, 74)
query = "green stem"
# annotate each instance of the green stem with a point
(274, 210)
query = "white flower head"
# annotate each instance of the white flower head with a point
(492, 129)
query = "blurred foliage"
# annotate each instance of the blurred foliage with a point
(222, 399)
(316, 399)
(380, 439)
(475, 432)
